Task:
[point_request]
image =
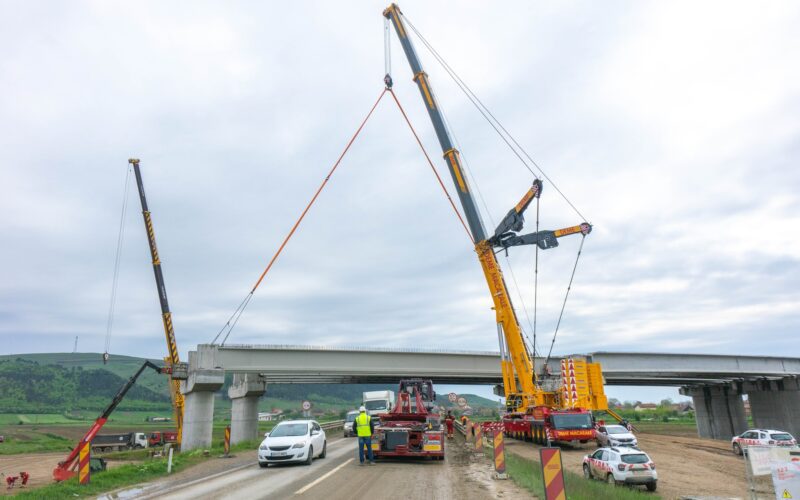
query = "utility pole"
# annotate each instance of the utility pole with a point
(75, 347)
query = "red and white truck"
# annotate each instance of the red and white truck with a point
(411, 429)
(542, 423)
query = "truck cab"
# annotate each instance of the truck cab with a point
(377, 402)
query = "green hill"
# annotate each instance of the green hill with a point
(82, 381)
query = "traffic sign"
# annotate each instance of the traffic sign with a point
(306, 405)
(452, 397)
(462, 401)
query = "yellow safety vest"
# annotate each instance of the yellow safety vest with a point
(362, 425)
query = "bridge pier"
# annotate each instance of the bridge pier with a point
(719, 410)
(775, 404)
(198, 412)
(245, 391)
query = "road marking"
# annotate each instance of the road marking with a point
(326, 476)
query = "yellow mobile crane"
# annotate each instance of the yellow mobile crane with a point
(173, 363)
(535, 408)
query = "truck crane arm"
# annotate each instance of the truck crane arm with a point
(65, 468)
(543, 239)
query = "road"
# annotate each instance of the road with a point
(339, 477)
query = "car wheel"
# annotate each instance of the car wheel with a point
(310, 455)
(587, 472)
(737, 449)
(610, 480)
(263, 465)
(324, 449)
(651, 486)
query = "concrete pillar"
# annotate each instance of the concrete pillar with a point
(719, 410)
(775, 404)
(245, 391)
(198, 411)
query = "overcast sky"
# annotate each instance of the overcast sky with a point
(673, 126)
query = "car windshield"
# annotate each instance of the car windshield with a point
(375, 405)
(284, 430)
(577, 421)
(616, 429)
(351, 417)
(635, 458)
(781, 436)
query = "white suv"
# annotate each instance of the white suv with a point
(761, 437)
(615, 435)
(621, 466)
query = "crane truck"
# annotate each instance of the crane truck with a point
(66, 468)
(531, 404)
(412, 428)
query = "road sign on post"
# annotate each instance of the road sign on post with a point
(307, 408)
(227, 444)
(499, 455)
(478, 438)
(452, 397)
(552, 473)
(84, 463)
(462, 401)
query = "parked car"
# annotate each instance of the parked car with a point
(615, 435)
(619, 465)
(348, 423)
(761, 437)
(293, 441)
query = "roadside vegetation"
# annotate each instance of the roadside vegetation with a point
(528, 475)
(148, 469)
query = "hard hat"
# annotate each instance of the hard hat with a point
(362, 409)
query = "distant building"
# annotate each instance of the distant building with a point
(645, 407)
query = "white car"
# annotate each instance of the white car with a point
(761, 437)
(348, 423)
(621, 466)
(293, 441)
(615, 435)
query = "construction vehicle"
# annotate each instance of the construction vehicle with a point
(410, 429)
(159, 438)
(527, 394)
(119, 442)
(173, 360)
(66, 468)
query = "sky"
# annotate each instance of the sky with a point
(673, 127)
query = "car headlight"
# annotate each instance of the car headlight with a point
(263, 447)
(301, 444)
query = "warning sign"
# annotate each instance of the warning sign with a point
(786, 479)
(552, 473)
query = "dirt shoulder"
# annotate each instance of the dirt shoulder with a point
(686, 466)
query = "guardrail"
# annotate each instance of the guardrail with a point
(336, 424)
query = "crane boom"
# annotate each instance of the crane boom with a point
(166, 316)
(519, 376)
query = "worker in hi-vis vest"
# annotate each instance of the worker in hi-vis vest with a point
(364, 427)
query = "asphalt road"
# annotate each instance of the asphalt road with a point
(339, 477)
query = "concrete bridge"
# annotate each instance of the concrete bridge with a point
(716, 383)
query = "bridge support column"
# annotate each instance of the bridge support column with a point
(719, 410)
(775, 404)
(198, 411)
(245, 391)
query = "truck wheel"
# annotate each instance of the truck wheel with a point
(610, 480)
(737, 449)
(310, 455)
(324, 449)
(587, 472)
(651, 486)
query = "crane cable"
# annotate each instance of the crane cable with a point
(234, 318)
(566, 296)
(491, 119)
(117, 258)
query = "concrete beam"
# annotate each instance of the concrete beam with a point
(245, 392)
(719, 410)
(775, 404)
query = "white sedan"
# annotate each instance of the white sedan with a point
(293, 441)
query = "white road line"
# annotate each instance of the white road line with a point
(326, 476)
